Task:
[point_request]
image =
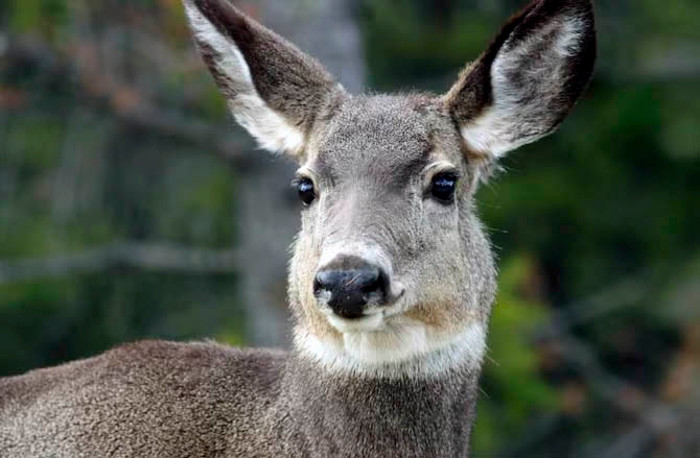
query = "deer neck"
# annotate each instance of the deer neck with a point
(420, 407)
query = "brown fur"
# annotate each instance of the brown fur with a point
(159, 399)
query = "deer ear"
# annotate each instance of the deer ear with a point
(274, 90)
(527, 81)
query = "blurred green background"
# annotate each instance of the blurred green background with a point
(131, 207)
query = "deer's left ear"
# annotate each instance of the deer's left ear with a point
(527, 81)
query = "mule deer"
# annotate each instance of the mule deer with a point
(392, 277)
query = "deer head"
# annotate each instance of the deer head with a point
(392, 265)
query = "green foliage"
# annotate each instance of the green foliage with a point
(51, 321)
(31, 143)
(37, 16)
(513, 387)
(676, 16)
(75, 177)
(194, 204)
(418, 48)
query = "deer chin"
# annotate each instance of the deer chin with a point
(393, 346)
(368, 323)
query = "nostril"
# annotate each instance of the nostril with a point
(327, 280)
(375, 283)
(319, 284)
(366, 280)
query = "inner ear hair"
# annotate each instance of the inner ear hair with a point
(526, 82)
(274, 90)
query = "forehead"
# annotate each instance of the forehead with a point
(382, 136)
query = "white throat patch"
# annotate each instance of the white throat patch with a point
(404, 348)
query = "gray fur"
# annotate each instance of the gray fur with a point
(159, 399)
(408, 386)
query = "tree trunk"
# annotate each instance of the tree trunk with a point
(269, 214)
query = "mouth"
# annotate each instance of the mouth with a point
(367, 323)
(373, 319)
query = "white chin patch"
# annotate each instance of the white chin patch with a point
(366, 324)
(398, 347)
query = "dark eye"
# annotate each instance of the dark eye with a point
(443, 187)
(306, 190)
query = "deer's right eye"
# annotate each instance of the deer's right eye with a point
(443, 187)
(306, 190)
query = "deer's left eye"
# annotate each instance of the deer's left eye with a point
(443, 187)
(307, 192)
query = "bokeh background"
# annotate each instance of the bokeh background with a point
(131, 207)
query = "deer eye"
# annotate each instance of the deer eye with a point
(443, 187)
(307, 192)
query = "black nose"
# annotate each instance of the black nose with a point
(350, 284)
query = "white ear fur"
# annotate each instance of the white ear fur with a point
(272, 131)
(517, 114)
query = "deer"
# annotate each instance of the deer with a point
(392, 277)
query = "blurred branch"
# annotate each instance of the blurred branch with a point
(621, 295)
(657, 416)
(538, 431)
(198, 132)
(653, 418)
(627, 445)
(124, 103)
(681, 61)
(142, 256)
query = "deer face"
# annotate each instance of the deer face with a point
(390, 258)
(391, 263)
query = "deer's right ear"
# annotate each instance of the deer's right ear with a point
(274, 90)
